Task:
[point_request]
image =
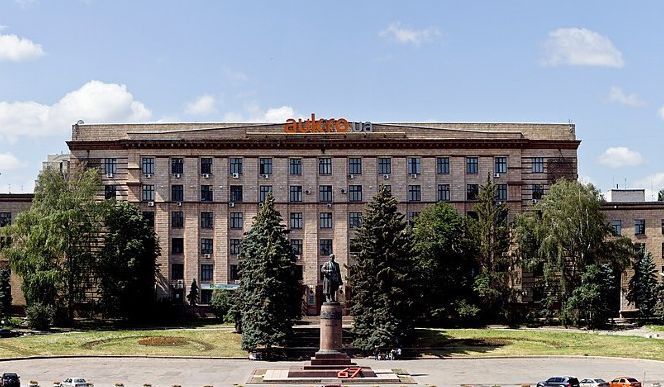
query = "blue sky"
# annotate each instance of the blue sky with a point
(599, 64)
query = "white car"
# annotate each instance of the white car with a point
(74, 382)
(593, 382)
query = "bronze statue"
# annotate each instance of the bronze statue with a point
(331, 279)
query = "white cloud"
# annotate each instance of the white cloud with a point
(93, 102)
(15, 49)
(8, 161)
(580, 47)
(616, 94)
(621, 156)
(2, 28)
(203, 105)
(406, 35)
(255, 114)
(661, 112)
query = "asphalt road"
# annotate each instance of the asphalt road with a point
(230, 372)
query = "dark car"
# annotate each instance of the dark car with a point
(10, 380)
(560, 381)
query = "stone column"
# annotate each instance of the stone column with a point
(330, 328)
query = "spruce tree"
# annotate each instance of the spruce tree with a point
(643, 286)
(5, 293)
(192, 297)
(269, 297)
(383, 277)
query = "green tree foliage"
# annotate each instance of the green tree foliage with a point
(660, 195)
(127, 263)
(222, 303)
(643, 289)
(192, 297)
(383, 277)
(269, 296)
(40, 316)
(5, 293)
(445, 259)
(591, 302)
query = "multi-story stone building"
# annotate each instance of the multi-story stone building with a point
(10, 206)
(201, 183)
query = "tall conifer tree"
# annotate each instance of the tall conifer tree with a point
(643, 286)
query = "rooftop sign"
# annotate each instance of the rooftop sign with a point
(331, 125)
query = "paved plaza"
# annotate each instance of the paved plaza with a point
(106, 371)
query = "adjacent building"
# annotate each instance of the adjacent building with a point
(10, 206)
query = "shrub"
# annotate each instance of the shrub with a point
(222, 301)
(40, 316)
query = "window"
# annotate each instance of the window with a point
(263, 190)
(538, 165)
(384, 165)
(235, 165)
(110, 166)
(354, 219)
(206, 220)
(206, 193)
(177, 245)
(177, 165)
(639, 227)
(295, 220)
(235, 194)
(325, 246)
(149, 217)
(265, 166)
(414, 193)
(324, 166)
(443, 193)
(234, 274)
(414, 164)
(640, 248)
(500, 164)
(663, 231)
(295, 194)
(355, 193)
(443, 165)
(110, 191)
(295, 166)
(177, 219)
(538, 191)
(147, 192)
(177, 193)
(472, 165)
(471, 191)
(325, 220)
(234, 246)
(206, 296)
(501, 192)
(206, 165)
(296, 246)
(236, 220)
(206, 245)
(616, 224)
(5, 219)
(299, 272)
(325, 194)
(177, 271)
(147, 165)
(354, 166)
(206, 273)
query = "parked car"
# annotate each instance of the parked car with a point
(10, 379)
(593, 382)
(560, 381)
(73, 382)
(625, 381)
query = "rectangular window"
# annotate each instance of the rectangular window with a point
(355, 193)
(295, 220)
(263, 190)
(110, 166)
(177, 165)
(206, 296)
(295, 166)
(265, 166)
(324, 166)
(299, 272)
(235, 165)
(234, 274)
(639, 227)
(177, 193)
(206, 245)
(296, 246)
(147, 192)
(616, 224)
(236, 221)
(325, 246)
(414, 193)
(501, 192)
(5, 219)
(234, 246)
(109, 192)
(354, 165)
(538, 165)
(177, 219)
(147, 165)
(384, 165)
(235, 194)
(325, 220)
(206, 273)
(177, 245)
(206, 165)
(206, 193)
(177, 271)
(662, 231)
(472, 165)
(414, 165)
(206, 220)
(471, 191)
(443, 193)
(354, 219)
(538, 191)
(500, 164)
(443, 165)
(325, 194)
(149, 217)
(295, 194)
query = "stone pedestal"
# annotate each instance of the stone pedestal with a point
(331, 346)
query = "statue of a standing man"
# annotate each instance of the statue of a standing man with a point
(331, 279)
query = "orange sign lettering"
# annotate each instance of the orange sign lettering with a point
(332, 125)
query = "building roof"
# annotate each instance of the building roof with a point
(16, 197)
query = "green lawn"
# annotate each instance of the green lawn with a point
(657, 327)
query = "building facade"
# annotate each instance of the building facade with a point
(10, 206)
(201, 183)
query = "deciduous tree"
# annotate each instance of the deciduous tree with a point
(5, 293)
